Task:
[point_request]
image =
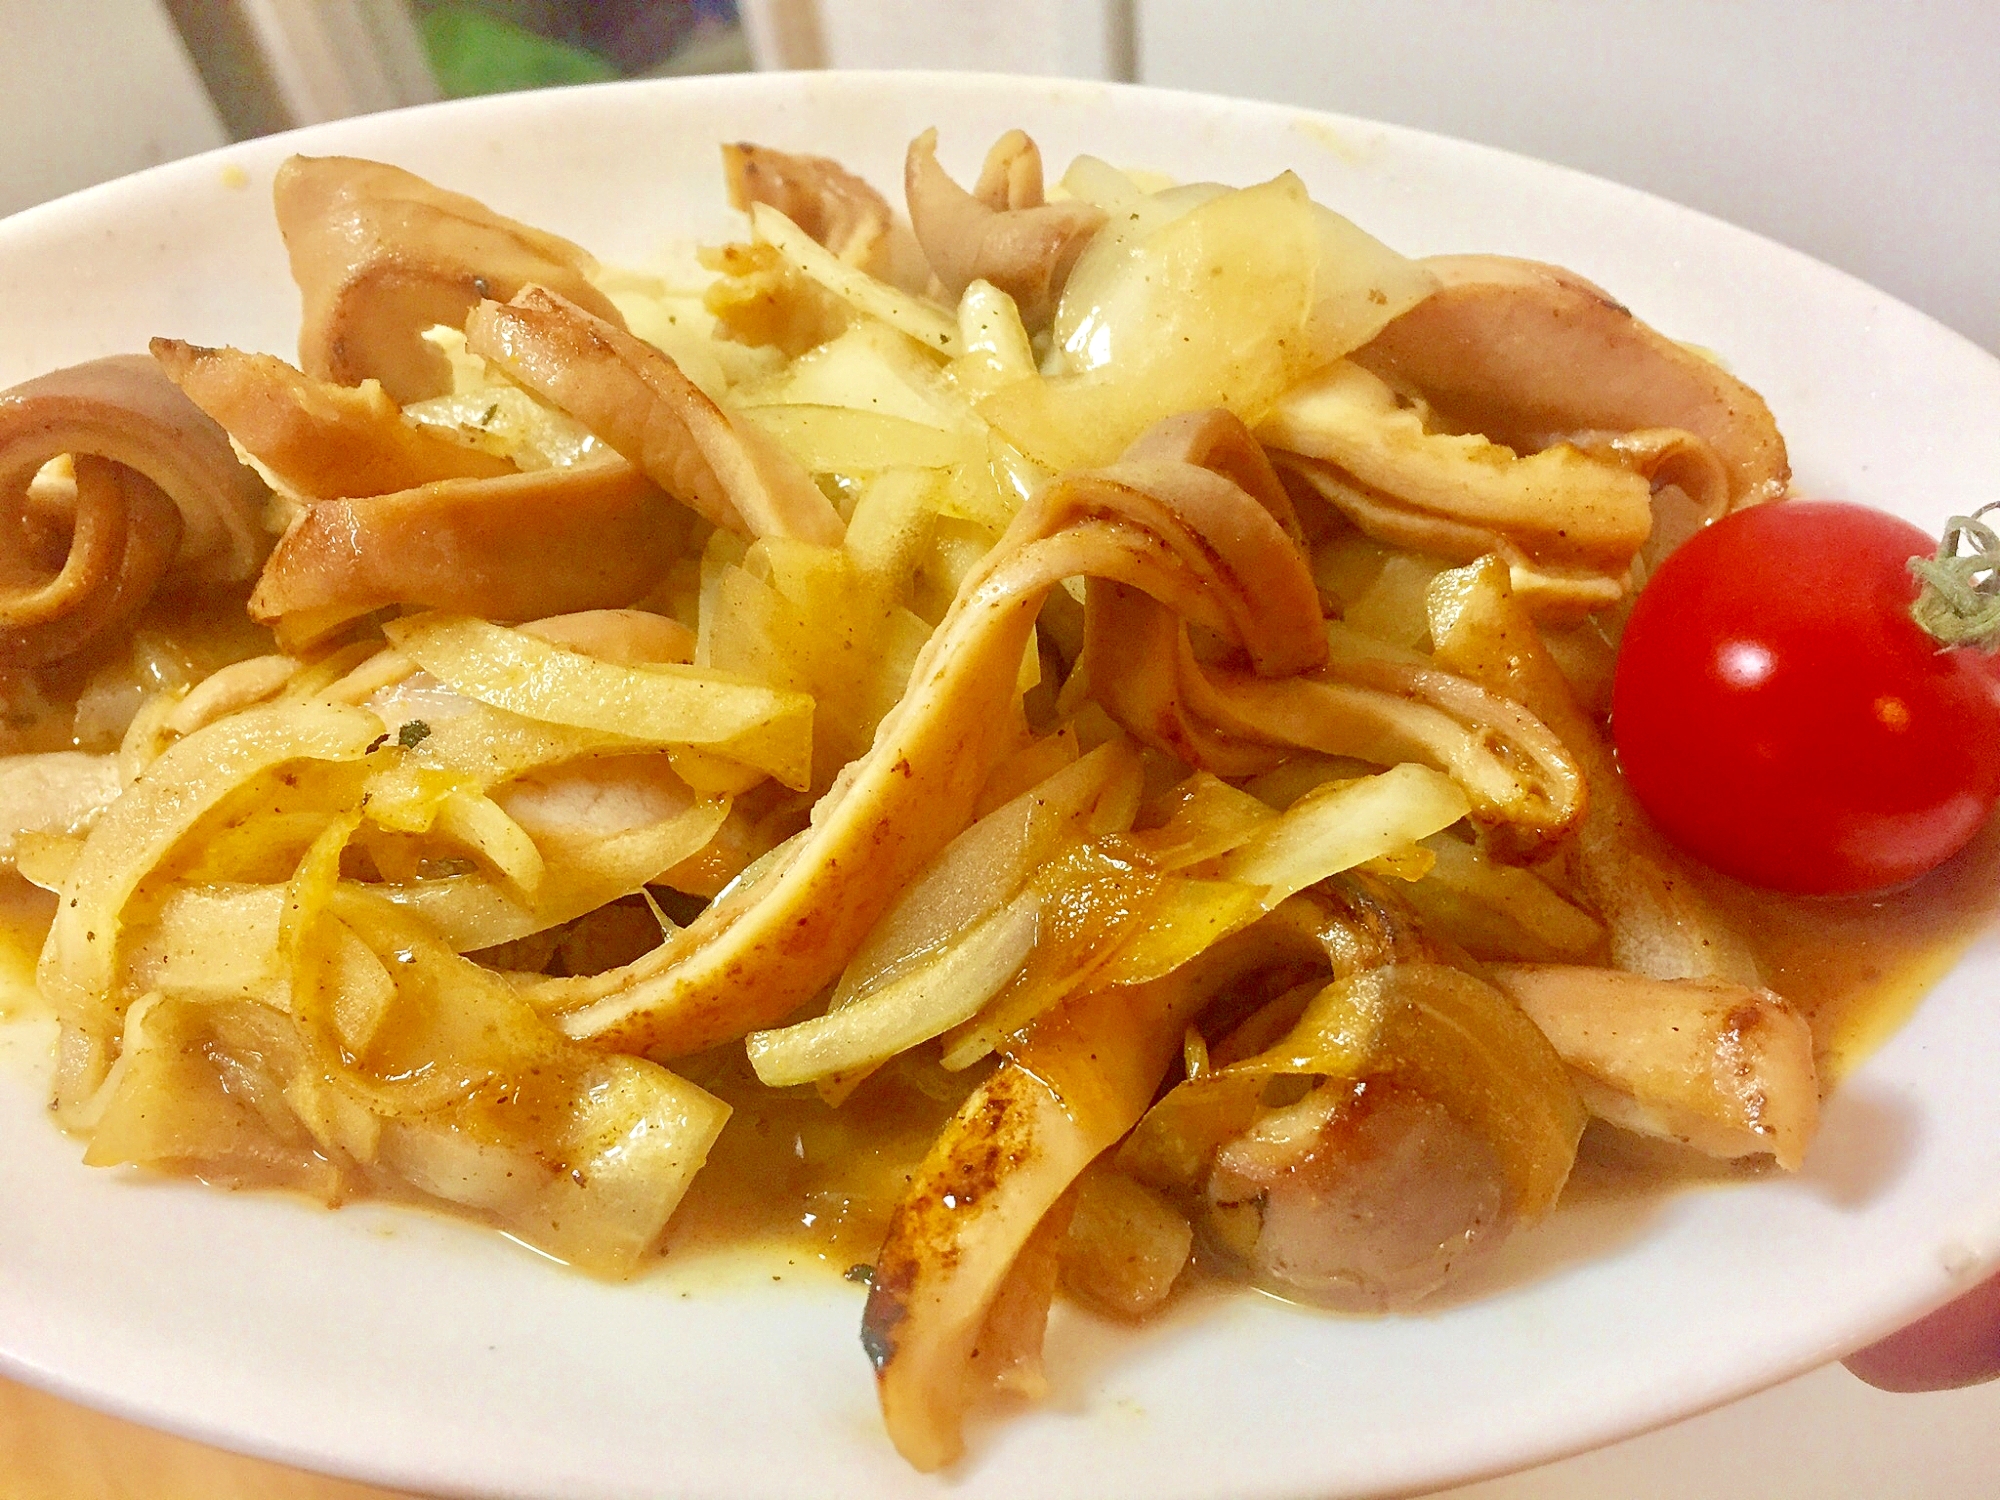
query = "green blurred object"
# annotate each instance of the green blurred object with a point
(472, 52)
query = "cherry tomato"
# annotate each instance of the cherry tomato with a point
(1782, 717)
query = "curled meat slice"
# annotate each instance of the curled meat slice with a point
(637, 401)
(1002, 232)
(518, 547)
(123, 532)
(1661, 925)
(380, 255)
(1179, 529)
(1192, 518)
(1518, 410)
(1070, 1088)
(1561, 504)
(1141, 666)
(1530, 354)
(160, 497)
(1569, 520)
(816, 193)
(1723, 1068)
(1139, 662)
(320, 439)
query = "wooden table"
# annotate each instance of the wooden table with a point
(53, 1450)
(1822, 1435)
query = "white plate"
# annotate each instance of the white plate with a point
(416, 1352)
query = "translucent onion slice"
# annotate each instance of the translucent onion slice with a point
(1110, 924)
(1102, 283)
(169, 1106)
(471, 912)
(581, 1154)
(1209, 297)
(1209, 818)
(1019, 887)
(995, 350)
(211, 942)
(1496, 911)
(1089, 901)
(666, 704)
(841, 440)
(481, 1102)
(926, 322)
(1189, 918)
(468, 744)
(814, 623)
(1340, 825)
(216, 942)
(138, 830)
(983, 867)
(869, 368)
(482, 825)
(916, 1005)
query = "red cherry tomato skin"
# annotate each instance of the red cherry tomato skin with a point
(1782, 717)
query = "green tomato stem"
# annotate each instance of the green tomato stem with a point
(1959, 604)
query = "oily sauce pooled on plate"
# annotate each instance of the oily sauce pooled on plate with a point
(790, 1175)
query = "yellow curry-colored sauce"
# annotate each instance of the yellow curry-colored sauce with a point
(85, 701)
(793, 1175)
(1857, 966)
(25, 915)
(794, 1180)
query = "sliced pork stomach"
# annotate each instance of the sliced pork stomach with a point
(818, 194)
(380, 255)
(159, 499)
(1726, 1069)
(636, 401)
(1529, 354)
(515, 547)
(1002, 232)
(322, 440)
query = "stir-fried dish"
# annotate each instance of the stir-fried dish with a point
(1086, 707)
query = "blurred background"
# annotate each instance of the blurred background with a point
(1864, 132)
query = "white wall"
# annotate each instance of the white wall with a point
(1865, 132)
(90, 90)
